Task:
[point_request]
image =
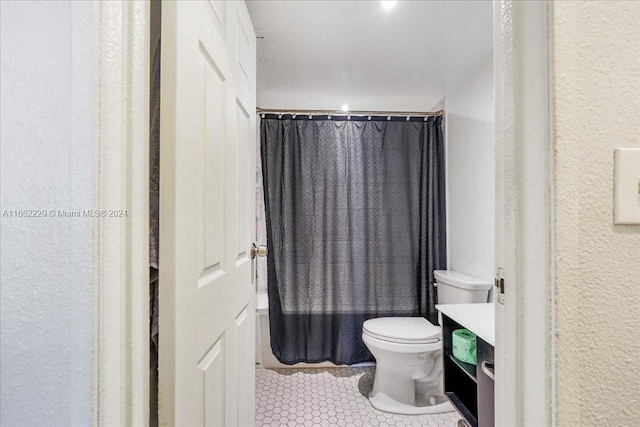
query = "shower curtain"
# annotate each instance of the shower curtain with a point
(355, 213)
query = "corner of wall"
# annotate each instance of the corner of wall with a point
(471, 173)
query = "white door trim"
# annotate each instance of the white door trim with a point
(525, 388)
(121, 275)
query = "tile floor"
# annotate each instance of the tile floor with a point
(327, 397)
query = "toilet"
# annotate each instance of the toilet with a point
(408, 351)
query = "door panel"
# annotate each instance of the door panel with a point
(213, 371)
(244, 53)
(207, 216)
(219, 16)
(245, 377)
(244, 205)
(212, 156)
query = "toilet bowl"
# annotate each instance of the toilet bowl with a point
(408, 351)
(408, 365)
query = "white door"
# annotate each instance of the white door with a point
(207, 214)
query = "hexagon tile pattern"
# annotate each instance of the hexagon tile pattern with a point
(311, 397)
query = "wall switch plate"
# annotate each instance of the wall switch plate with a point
(626, 171)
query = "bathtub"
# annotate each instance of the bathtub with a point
(264, 356)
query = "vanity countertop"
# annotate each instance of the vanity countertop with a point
(478, 318)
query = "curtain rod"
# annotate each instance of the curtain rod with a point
(351, 113)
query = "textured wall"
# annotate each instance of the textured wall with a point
(471, 173)
(46, 311)
(597, 107)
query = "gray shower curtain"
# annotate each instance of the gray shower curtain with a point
(355, 215)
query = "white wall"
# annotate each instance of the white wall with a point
(333, 101)
(597, 108)
(471, 173)
(47, 102)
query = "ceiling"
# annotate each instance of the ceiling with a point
(319, 54)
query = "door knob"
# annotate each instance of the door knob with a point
(258, 250)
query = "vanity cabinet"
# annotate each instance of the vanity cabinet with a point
(485, 379)
(470, 387)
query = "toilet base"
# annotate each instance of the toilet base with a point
(386, 404)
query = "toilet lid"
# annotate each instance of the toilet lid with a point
(406, 330)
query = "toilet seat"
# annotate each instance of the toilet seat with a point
(402, 330)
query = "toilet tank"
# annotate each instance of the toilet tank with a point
(458, 288)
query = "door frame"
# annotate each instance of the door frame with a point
(525, 389)
(121, 248)
(524, 148)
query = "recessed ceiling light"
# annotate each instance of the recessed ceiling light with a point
(344, 108)
(388, 4)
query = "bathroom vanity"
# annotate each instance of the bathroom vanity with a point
(470, 387)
